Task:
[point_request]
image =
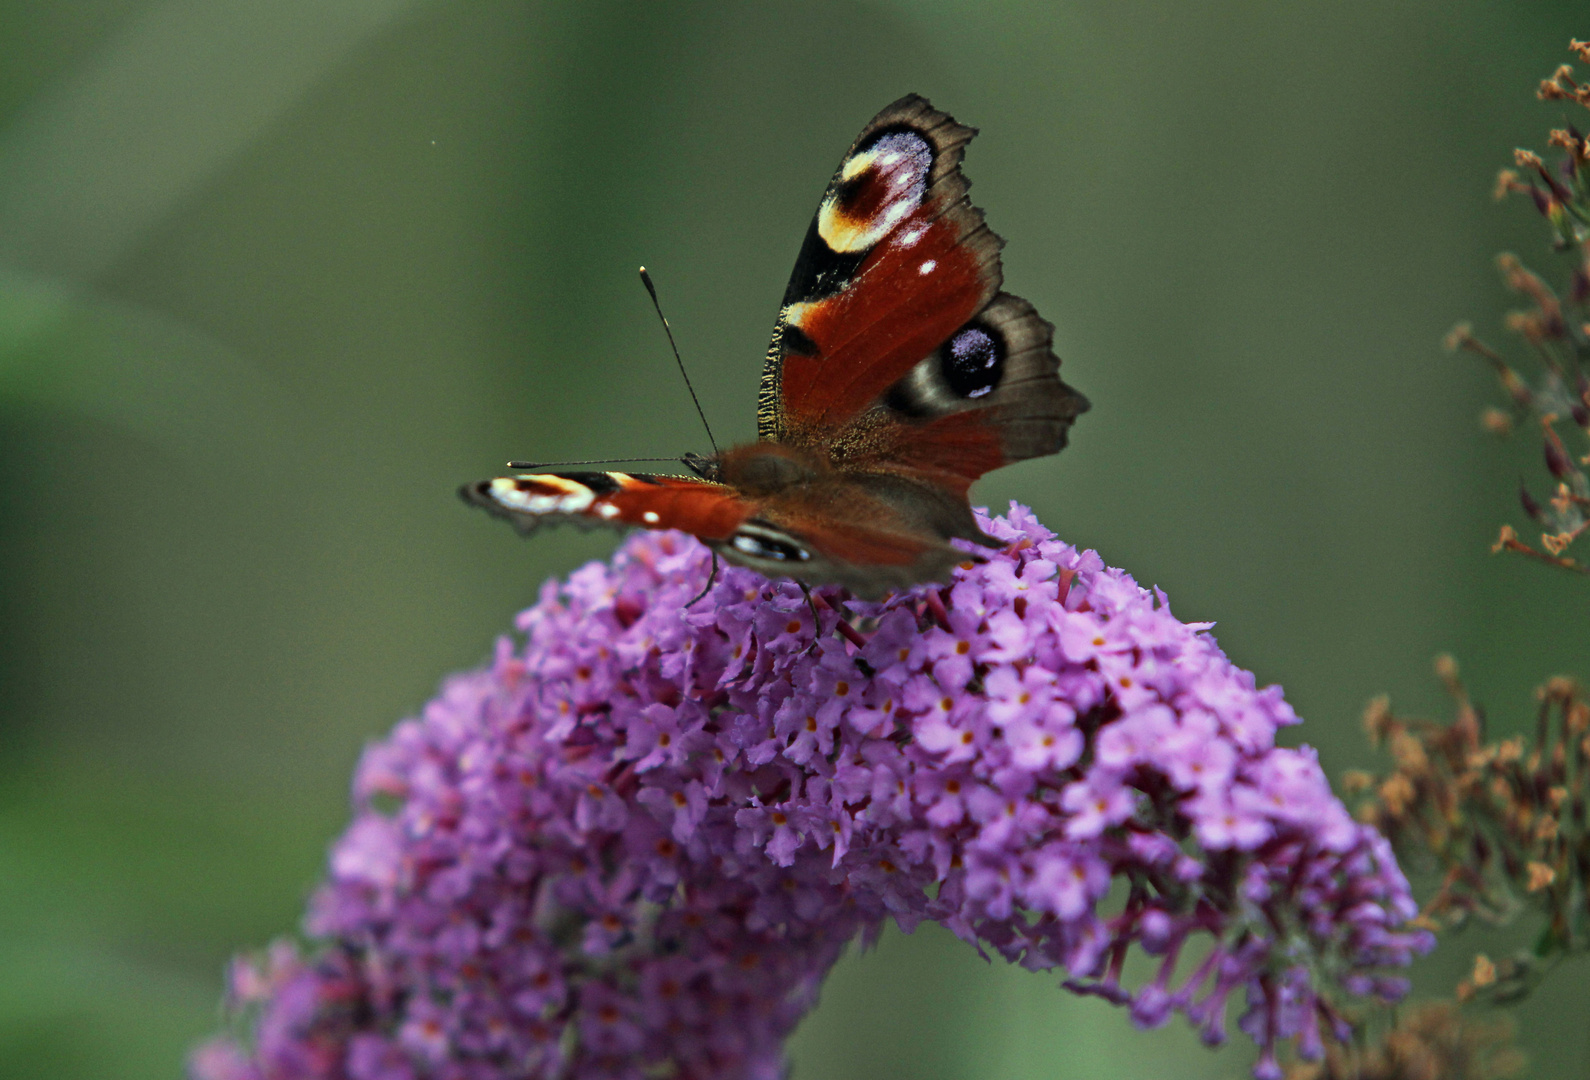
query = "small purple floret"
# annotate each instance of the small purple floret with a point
(639, 841)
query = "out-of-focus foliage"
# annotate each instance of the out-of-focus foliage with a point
(275, 278)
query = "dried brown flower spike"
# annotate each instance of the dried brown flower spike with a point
(1556, 330)
(1504, 821)
(1434, 1041)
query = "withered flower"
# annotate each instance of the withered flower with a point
(1556, 329)
(1504, 821)
(1434, 1041)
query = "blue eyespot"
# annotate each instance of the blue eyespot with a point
(972, 362)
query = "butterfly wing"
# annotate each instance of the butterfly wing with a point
(623, 500)
(871, 533)
(820, 535)
(894, 348)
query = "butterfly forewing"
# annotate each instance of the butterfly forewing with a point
(893, 319)
(858, 305)
(528, 500)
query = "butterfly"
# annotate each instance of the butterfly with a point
(899, 372)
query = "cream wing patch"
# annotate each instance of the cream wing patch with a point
(877, 189)
(549, 495)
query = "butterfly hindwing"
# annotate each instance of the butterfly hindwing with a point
(867, 560)
(798, 534)
(988, 396)
(871, 532)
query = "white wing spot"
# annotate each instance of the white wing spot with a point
(570, 496)
(607, 511)
(576, 501)
(650, 517)
(910, 237)
(927, 267)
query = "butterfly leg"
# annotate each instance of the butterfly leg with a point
(848, 632)
(817, 622)
(711, 579)
(811, 602)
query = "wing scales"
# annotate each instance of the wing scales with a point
(897, 273)
(623, 500)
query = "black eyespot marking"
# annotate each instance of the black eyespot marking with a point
(847, 193)
(600, 483)
(901, 399)
(760, 542)
(795, 341)
(899, 169)
(820, 271)
(972, 361)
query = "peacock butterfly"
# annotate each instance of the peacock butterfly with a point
(898, 374)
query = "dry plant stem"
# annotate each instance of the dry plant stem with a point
(1504, 821)
(1556, 329)
(1434, 1041)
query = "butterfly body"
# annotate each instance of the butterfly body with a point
(898, 374)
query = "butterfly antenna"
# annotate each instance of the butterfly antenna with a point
(593, 461)
(651, 290)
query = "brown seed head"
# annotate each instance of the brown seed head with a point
(1377, 719)
(1496, 422)
(1540, 876)
(1397, 794)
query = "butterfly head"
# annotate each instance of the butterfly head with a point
(703, 465)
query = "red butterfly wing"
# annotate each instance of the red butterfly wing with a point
(710, 511)
(894, 348)
(800, 536)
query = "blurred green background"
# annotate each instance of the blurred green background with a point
(276, 277)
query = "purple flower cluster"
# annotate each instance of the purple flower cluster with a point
(636, 844)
